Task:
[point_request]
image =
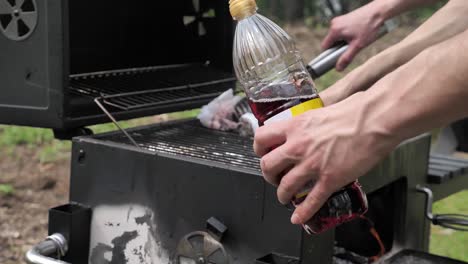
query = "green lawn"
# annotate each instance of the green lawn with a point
(51, 149)
(446, 242)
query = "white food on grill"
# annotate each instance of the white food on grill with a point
(220, 114)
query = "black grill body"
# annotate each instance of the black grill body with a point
(174, 52)
(184, 174)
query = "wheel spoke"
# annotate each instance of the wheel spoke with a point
(209, 247)
(189, 19)
(201, 29)
(19, 3)
(12, 3)
(5, 7)
(196, 5)
(12, 29)
(29, 18)
(186, 249)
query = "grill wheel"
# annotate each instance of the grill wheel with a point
(200, 248)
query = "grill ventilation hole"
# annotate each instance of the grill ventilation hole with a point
(18, 18)
(199, 17)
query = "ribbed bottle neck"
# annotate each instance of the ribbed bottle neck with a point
(241, 9)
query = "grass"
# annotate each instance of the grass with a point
(6, 189)
(15, 135)
(446, 242)
(50, 149)
(328, 79)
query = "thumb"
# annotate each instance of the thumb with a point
(347, 57)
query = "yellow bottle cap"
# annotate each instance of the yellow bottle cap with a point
(241, 9)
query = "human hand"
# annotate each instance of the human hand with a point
(359, 29)
(331, 147)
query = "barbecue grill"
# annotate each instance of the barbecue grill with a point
(178, 192)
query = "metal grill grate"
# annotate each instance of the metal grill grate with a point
(153, 86)
(193, 140)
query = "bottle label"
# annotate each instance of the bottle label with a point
(296, 110)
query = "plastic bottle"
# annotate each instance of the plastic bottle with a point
(278, 86)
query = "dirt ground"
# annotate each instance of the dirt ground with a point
(39, 186)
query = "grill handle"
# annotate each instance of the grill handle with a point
(457, 222)
(41, 253)
(327, 60)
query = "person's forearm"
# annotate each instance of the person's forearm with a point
(383, 10)
(447, 22)
(391, 8)
(428, 92)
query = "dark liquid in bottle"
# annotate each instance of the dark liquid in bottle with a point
(344, 205)
(264, 110)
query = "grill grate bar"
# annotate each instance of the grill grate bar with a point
(154, 86)
(230, 154)
(192, 140)
(205, 136)
(202, 154)
(140, 105)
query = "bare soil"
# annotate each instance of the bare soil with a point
(39, 186)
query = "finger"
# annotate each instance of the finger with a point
(293, 183)
(331, 38)
(347, 57)
(268, 137)
(275, 164)
(310, 206)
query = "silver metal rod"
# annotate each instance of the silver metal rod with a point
(327, 60)
(96, 100)
(55, 244)
(130, 70)
(429, 200)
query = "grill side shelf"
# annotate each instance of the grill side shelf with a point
(443, 168)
